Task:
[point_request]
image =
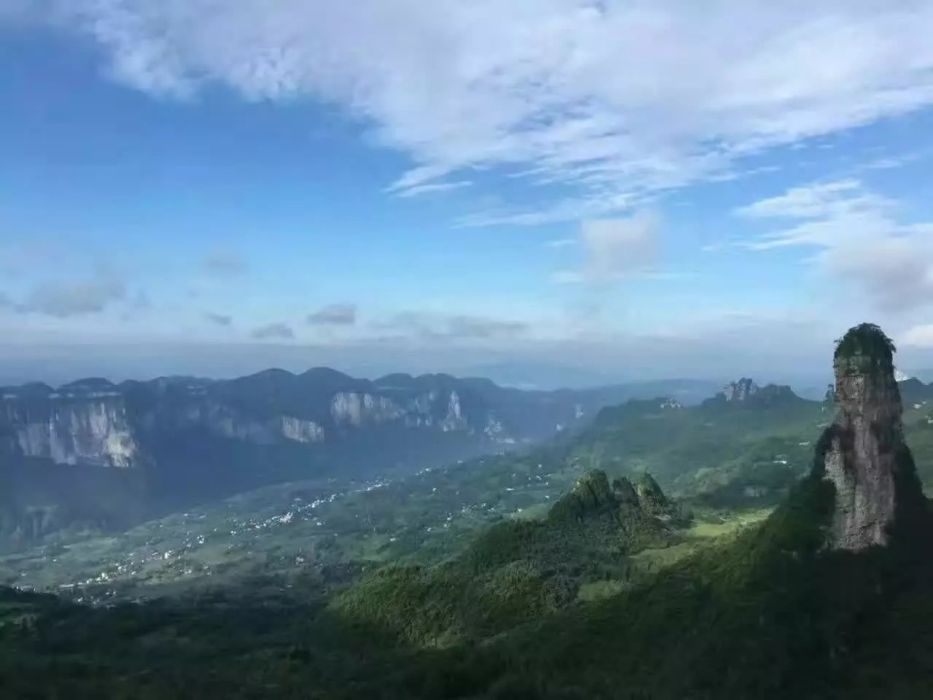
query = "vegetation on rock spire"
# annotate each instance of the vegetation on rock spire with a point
(868, 341)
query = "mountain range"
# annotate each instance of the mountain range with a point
(614, 589)
(92, 453)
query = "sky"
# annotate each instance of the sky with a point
(554, 190)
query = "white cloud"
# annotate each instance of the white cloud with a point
(818, 200)
(918, 336)
(618, 100)
(430, 188)
(859, 237)
(614, 249)
(617, 246)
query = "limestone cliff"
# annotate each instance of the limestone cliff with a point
(359, 408)
(863, 453)
(68, 454)
(76, 425)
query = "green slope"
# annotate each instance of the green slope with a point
(764, 612)
(516, 571)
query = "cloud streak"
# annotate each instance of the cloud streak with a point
(334, 315)
(450, 327)
(274, 331)
(66, 299)
(429, 188)
(219, 319)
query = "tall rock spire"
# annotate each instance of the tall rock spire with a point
(865, 456)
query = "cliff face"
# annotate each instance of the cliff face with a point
(314, 417)
(68, 455)
(70, 426)
(865, 456)
(439, 409)
(96, 423)
(223, 421)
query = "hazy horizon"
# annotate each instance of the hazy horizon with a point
(60, 364)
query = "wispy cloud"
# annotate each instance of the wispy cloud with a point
(920, 336)
(547, 88)
(821, 200)
(63, 299)
(859, 237)
(219, 319)
(614, 249)
(891, 162)
(436, 326)
(274, 331)
(430, 188)
(334, 315)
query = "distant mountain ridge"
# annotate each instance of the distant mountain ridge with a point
(748, 391)
(181, 440)
(94, 453)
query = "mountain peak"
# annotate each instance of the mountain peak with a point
(593, 495)
(740, 390)
(747, 391)
(863, 452)
(863, 347)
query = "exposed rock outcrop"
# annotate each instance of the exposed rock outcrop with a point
(740, 390)
(357, 408)
(186, 440)
(650, 496)
(746, 391)
(91, 429)
(592, 495)
(863, 453)
(298, 430)
(624, 491)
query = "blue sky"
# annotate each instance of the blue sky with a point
(634, 189)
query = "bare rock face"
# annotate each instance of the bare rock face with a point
(89, 428)
(591, 496)
(864, 448)
(741, 390)
(650, 496)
